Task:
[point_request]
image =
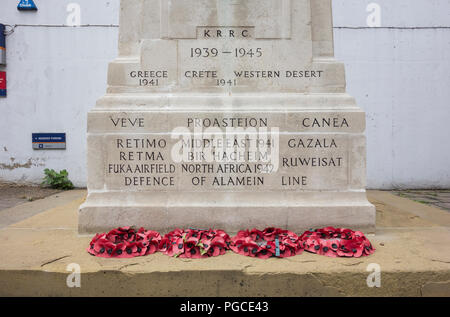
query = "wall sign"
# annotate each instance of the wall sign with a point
(2, 45)
(49, 141)
(27, 5)
(2, 84)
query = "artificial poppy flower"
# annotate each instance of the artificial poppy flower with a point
(343, 251)
(94, 241)
(119, 251)
(176, 246)
(270, 233)
(125, 242)
(192, 252)
(97, 237)
(334, 242)
(243, 245)
(130, 250)
(172, 244)
(353, 248)
(195, 244)
(151, 241)
(255, 235)
(205, 242)
(249, 248)
(164, 244)
(265, 252)
(327, 249)
(192, 238)
(368, 248)
(213, 251)
(141, 249)
(151, 246)
(271, 242)
(103, 248)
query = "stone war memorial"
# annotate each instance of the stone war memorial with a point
(228, 114)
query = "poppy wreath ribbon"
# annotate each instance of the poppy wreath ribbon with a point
(195, 243)
(271, 242)
(336, 242)
(125, 242)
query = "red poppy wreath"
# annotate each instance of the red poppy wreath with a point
(336, 242)
(195, 244)
(125, 242)
(271, 242)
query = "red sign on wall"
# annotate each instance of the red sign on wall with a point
(2, 84)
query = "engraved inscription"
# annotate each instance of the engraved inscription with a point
(209, 160)
(225, 32)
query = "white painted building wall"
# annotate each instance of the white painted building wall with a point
(399, 74)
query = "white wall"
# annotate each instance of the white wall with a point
(399, 74)
(55, 75)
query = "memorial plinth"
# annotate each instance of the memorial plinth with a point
(228, 114)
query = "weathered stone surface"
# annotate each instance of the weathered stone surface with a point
(227, 114)
(411, 263)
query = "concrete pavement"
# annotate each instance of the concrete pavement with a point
(412, 242)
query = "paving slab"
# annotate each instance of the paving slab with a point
(412, 242)
(12, 194)
(438, 198)
(21, 210)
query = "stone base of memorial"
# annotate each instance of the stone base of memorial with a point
(227, 115)
(134, 179)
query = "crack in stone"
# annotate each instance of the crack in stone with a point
(124, 266)
(54, 260)
(351, 264)
(133, 264)
(244, 269)
(435, 260)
